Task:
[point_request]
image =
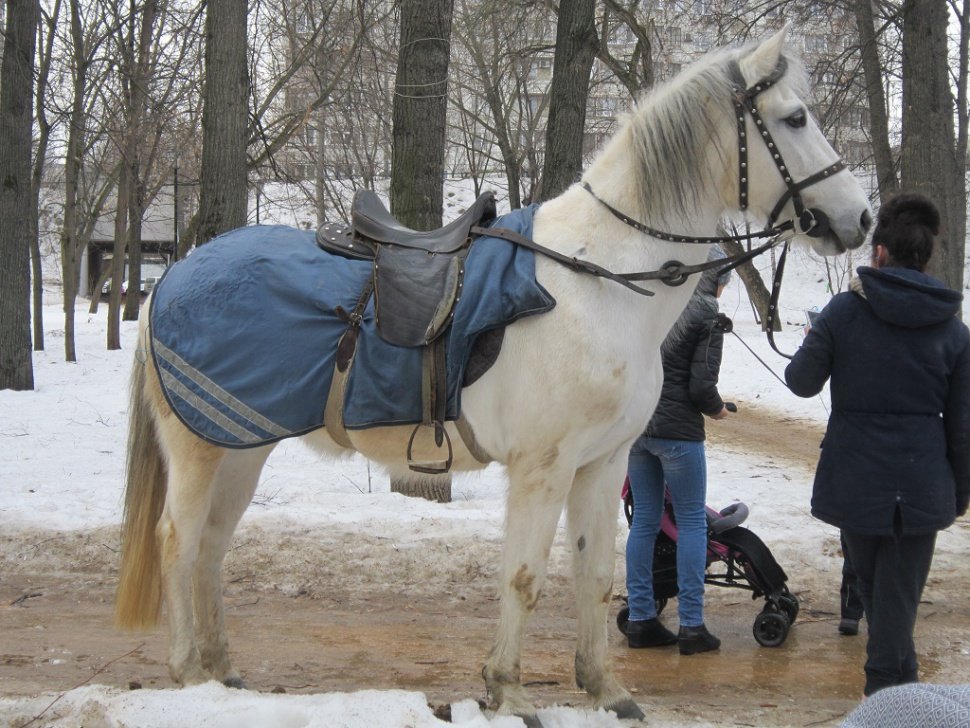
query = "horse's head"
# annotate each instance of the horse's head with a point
(786, 167)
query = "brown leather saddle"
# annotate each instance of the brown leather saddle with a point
(416, 284)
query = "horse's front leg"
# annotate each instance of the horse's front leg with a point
(592, 513)
(538, 483)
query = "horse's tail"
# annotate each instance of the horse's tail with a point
(139, 600)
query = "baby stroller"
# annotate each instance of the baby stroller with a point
(736, 557)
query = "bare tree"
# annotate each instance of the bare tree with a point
(223, 196)
(16, 94)
(420, 118)
(46, 36)
(133, 50)
(928, 155)
(500, 92)
(576, 45)
(334, 134)
(86, 183)
(876, 94)
(636, 70)
(418, 155)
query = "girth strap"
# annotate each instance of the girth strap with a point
(471, 442)
(333, 411)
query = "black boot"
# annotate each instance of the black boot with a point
(649, 633)
(696, 639)
(849, 626)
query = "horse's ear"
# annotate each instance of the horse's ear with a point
(763, 60)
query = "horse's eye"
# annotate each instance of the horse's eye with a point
(797, 120)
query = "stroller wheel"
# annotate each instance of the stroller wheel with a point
(788, 603)
(771, 628)
(622, 618)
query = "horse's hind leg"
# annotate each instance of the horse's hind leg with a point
(231, 492)
(537, 491)
(192, 465)
(592, 511)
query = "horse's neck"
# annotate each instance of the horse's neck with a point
(617, 175)
(614, 244)
(577, 224)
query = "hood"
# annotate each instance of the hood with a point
(908, 298)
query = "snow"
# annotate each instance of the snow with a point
(62, 471)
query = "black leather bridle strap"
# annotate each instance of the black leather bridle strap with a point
(582, 266)
(773, 302)
(744, 101)
(794, 189)
(810, 222)
(671, 238)
(672, 273)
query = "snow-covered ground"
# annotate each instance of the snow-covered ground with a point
(61, 469)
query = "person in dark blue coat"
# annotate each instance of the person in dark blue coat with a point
(895, 461)
(671, 453)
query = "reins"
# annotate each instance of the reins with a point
(672, 273)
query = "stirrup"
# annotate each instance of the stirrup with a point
(432, 467)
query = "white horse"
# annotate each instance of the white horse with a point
(570, 392)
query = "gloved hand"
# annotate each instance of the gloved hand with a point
(724, 324)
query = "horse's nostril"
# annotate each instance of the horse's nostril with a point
(866, 220)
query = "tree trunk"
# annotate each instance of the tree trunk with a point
(45, 55)
(576, 43)
(418, 152)
(136, 212)
(141, 72)
(70, 246)
(16, 101)
(223, 195)
(419, 115)
(118, 258)
(928, 162)
(876, 96)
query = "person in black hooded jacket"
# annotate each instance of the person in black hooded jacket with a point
(894, 467)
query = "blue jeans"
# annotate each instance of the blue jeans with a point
(682, 464)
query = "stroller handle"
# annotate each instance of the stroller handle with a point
(734, 515)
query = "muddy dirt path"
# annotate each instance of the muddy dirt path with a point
(379, 633)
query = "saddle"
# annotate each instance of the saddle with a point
(416, 284)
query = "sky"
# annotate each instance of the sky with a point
(78, 411)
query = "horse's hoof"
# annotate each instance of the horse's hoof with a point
(234, 682)
(627, 709)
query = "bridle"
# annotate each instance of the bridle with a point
(807, 221)
(812, 222)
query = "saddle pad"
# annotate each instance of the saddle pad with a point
(244, 332)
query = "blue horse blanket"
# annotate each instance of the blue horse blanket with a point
(244, 333)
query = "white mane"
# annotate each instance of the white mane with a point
(677, 129)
